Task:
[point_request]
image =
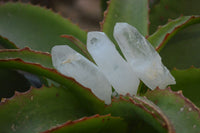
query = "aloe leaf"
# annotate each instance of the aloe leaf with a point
(181, 112)
(19, 59)
(100, 124)
(182, 50)
(27, 55)
(164, 33)
(163, 10)
(36, 27)
(139, 112)
(11, 81)
(188, 82)
(133, 12)
(40, 109)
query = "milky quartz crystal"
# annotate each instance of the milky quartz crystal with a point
(72, 64)
(143, 58)
(118, 72)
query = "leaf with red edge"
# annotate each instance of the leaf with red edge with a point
(27, 55)
(139, 112)
(163, 10)
(182, 50)
(188, 82)
(41, 109)
(164, 33)
(35, 27)
(182, 113)
(96, 123)
(40, 70)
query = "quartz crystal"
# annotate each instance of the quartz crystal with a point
(118, 72)
(143, 58)
(72, 64)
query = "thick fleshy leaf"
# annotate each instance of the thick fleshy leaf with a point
(164, 10)
(133, 12)
(71, 84)
(182, 113)
(139, 112)
(31, 56)
(97, 124)
(27, 55)
(182, 50)
(37, 28)
(164, 33)
(118, 72)
(11, 81)
(40, 109)
(188, 82)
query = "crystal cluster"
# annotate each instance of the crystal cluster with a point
(111, 70)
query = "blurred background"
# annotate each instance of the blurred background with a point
(86, 13)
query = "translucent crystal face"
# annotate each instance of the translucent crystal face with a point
(114, 67)
(143, 62)
(143, 58)
(72, 64)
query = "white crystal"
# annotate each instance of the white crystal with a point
(144, 59)
(118, 72)
(72, 64)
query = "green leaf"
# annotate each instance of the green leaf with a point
(40, 109)
(35, 27)
(164, 33)
(170, 9)
(188, 82)
(134, 12)
(183, 114)
(11, 81)
(97, 124)
(182, 50)
(139, 112)
(27, 55)
(93, 103)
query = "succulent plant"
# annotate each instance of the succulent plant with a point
(37, 96)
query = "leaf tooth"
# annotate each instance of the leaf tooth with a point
(180, 95)
(104, 15)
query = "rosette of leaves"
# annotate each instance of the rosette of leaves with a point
(37, 98)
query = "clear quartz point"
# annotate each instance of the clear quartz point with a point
(72, 64)
(143, 58)
(118, 72)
